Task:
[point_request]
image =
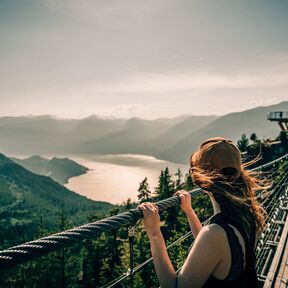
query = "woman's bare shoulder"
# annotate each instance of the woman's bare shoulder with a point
(213, 230)
(211, 235)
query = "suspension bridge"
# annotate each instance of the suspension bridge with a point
(271, 247)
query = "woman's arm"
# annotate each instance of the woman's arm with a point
(164, 269)
(194, 223)
(203, 258)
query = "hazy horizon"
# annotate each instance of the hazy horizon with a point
(146, 59)
(108, 117)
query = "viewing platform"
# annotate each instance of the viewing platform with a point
(281, 117)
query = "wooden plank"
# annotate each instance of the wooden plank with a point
(279, 257)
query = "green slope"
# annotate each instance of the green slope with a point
(59, 169)
(26, 198)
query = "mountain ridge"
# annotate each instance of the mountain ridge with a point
(231, 126)
(169, 139)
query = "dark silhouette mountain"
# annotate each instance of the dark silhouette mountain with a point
(28, 200)
(230, 126)
(59, 169)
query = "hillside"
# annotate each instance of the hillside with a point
(231, 126)
(59, 169)
(26, 198)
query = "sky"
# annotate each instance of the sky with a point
(135, 58)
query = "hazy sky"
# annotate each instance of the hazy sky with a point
(145, 58)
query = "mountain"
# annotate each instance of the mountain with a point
(29, 201)
(168, 139)
(59, 169)
(49, 135)
(136, 136)
(182, 129)
(230, 126)
(33, 134)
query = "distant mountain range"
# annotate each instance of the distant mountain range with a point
(230, 126)
(47, 135)
(59, 169)
(30, 203)
(168, 139)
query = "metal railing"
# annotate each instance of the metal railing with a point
(279, 115)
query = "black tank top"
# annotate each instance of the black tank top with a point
(237, 277)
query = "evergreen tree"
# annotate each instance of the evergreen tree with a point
(283, 137)
(168, 189)
(179, 185)
(254, 138)
(62, 252)
(144, 193)
(189, 183)
(128, 204)
(243, 143)
(159, 189)
(168, 185)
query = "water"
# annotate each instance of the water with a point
(115, 178)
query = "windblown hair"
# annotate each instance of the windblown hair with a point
(237, 199)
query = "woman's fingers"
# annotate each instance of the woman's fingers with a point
(148, 207)
(182, 193)
(153, 205)
(179, 192)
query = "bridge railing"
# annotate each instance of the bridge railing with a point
(279, 115)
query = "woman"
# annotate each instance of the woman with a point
(223, 252)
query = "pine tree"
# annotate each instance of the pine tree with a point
(168, 185)
(144, 193)
(283, 137)
(159, 188)
(254, 138)
(62, 252)
(168, 189)
(189, 184)
(243, 142)
(178, 182)
(128, 204)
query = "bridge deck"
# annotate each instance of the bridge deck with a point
(278, 272)
(282, 276)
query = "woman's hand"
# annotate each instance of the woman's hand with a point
(185, 198)
(151, 217)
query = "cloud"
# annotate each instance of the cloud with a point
(264, 102)
(166, 82)
(109, 14)
(128, 109)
